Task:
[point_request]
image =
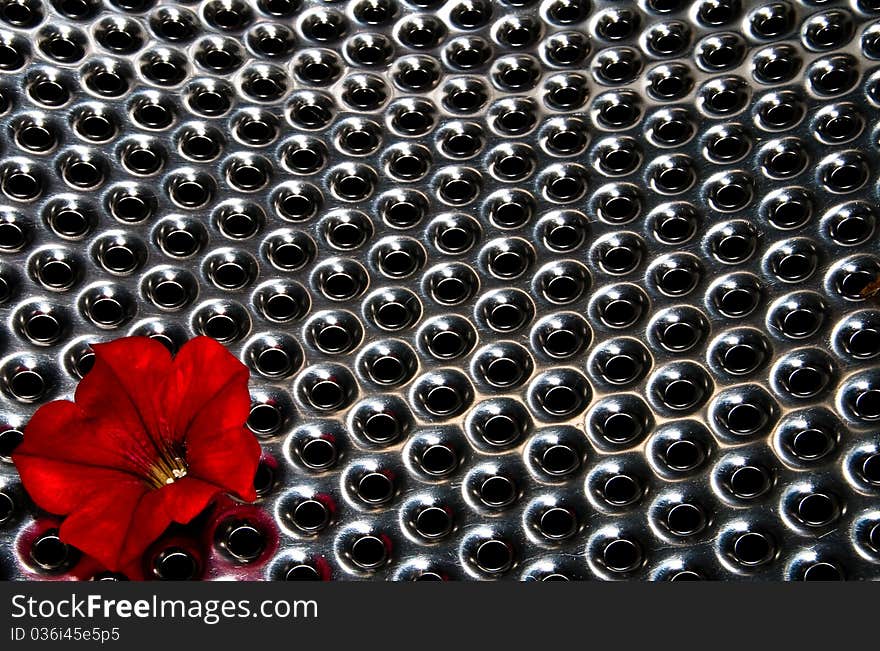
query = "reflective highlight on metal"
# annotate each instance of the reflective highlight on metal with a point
(529, 289)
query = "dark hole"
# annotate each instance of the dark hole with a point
(874, 537)
(310, 515)
(734, 248)
(27, 385)
(83, 174)
(685, 519)
(7, 507)
(752, 548)
(280, 306)
(245, 542)
(333, 339)
(748, 481)
(108, 311)
(738, 301)
(621, 489)
(823, 572)
(119, 258)
(673, 131)
(70, 223)
(557, 523)
(864, 343)
(49, 552)
(497, 491)
(620, 428)
(84, 363)
(273, 361)
(871, 468)
(800, 322)
(326, 394)
(181, 243)
(51, 93)
(619, 312)
(561, 400)
(433, 522)
(392, 315)
(795, 267)
(500, 430)
(398, 263)
(191, 193)
(811, 444)
(302, 573)
(619, 160)
(678, 281)
(806, 381)
(381, 428)
(503, 372)
(852, 230)
(264, 419)
(621, 555)
(494, 556)
(442, 400)
(375, 488)
(368, 551)
(9, 440)
(680, 394)
(264, 478)
(447, 344)
(43, 328)
(232, 275)
(680, 336)
(297, 206)
(153, 115)
(459, 190)
(620, 259)
(741, 358)
(450, 290)
(175, 564)
(676, 229)
(340, 285)
(508, 264)
(305, 160)
(56, 273)
(438, 460)
(561, 343)
(673, 180)
(686, 575)
(559, 460)
(37, 138)
(387, 370)
(621, 368)
(143, 160)
(289, 256)
(731, 196)
(22, 185)
(745, 418)
(816, 509)
(318, 453)
(131, 208)
(683, 455)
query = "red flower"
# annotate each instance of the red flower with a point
(147, 442)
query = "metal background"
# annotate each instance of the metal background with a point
(717, 171)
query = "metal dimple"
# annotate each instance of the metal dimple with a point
(536, 290)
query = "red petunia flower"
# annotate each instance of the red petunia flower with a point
(148, 441)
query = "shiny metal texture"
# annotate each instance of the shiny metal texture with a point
(529, 289)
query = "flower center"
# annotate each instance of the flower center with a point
(166, 469)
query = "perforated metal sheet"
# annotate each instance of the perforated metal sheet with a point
(532, 290)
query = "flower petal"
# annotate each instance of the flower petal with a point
(117, 524)
(62, 460)
(224, 458)
(186, 498)
(207, 381)
(124, 383)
